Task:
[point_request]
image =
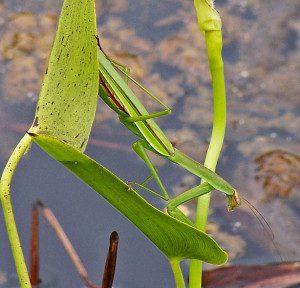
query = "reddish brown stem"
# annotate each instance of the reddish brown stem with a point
(110, 264)
(34, 249)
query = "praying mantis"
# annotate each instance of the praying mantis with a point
(115, 92)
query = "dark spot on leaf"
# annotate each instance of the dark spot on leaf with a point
(82, 143)
(59, 56)
(76, 136)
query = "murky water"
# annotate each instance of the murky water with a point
(165, 51)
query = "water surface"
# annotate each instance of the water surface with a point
(165, 51)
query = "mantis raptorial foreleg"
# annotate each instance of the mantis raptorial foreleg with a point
(186, 196)
(121, 67)
(125, 70)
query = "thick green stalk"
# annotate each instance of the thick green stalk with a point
(214, 50)
(175, 265)
(13, 236)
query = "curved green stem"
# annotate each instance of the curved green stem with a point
(13, 236)
(214, 49)
(175, 265)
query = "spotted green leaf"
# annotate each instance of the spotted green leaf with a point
(68, 97)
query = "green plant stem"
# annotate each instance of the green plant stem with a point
(213, 41)
(13, 236)
(175, 265)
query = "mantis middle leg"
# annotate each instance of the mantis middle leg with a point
(140, 148)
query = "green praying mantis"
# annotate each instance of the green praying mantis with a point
(115, 92)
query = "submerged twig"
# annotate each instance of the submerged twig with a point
(50, 217)
(110, 264)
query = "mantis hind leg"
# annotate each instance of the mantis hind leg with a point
(126, 73)
(140, 148)
(145, 117)
(125, 70)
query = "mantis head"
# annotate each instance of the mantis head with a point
(234, 201)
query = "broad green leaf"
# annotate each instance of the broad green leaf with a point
(174, 238)
(68, 97)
